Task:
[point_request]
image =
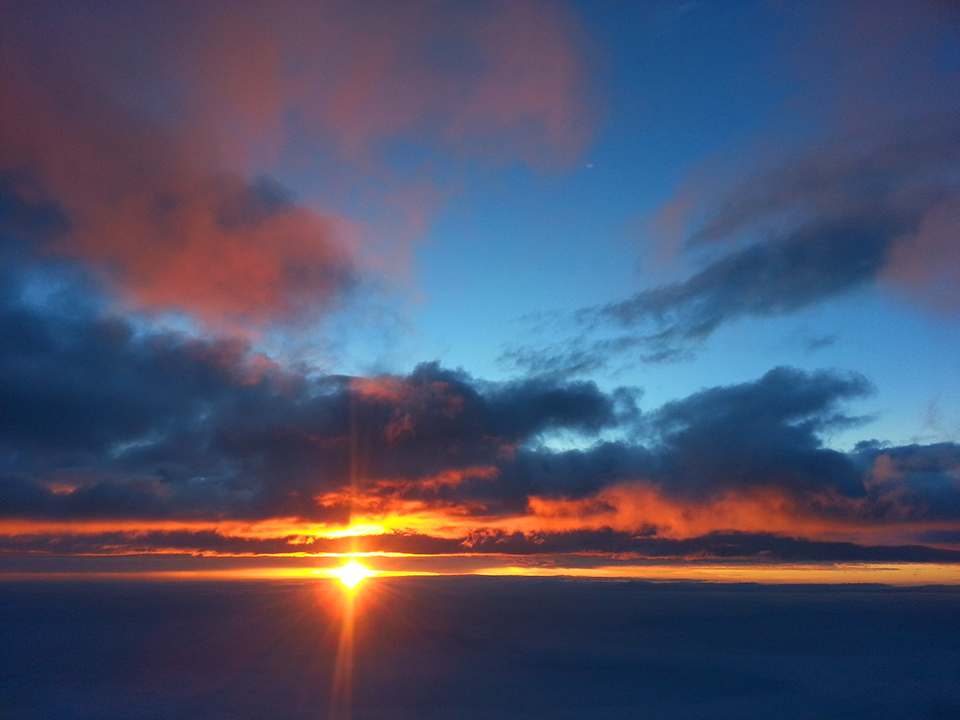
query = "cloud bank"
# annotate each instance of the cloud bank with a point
(116, 438)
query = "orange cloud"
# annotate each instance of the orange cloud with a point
(635, 507)
(394, 500)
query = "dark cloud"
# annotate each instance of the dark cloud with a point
(624, 547)
(762, 433)
(713, 546)
(912, 481)
(102, 420)
(756, 436)
(579, 473)
(819, 342)
(835, 219)
(443, 413)
(816, 262)
(217, 543)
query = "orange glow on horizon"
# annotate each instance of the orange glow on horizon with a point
(895, 574)
(898, 574)
(383, 521)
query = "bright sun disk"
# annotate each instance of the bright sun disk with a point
(352, 574)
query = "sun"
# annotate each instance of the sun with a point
(352, 574)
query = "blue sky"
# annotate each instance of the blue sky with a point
(685, 94)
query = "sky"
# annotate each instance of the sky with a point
(533, 287)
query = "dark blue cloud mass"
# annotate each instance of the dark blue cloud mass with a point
(103, 420)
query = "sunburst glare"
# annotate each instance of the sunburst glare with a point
(351, 574)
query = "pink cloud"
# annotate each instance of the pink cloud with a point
(149, 124)
(503, 79)
(926, 264)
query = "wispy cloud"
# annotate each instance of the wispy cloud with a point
(834, 219)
